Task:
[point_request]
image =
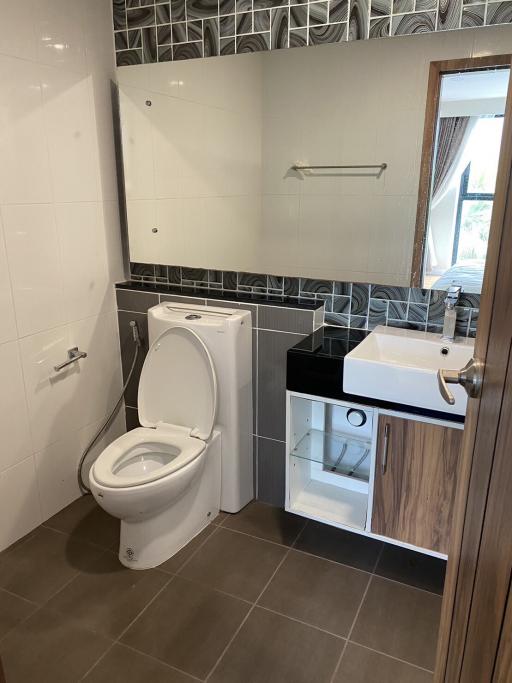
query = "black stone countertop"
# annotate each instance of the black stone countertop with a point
(221, 294)
(315, 366)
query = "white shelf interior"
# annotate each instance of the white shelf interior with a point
(324, 495)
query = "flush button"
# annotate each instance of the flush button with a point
(357, 418)
(192, 316)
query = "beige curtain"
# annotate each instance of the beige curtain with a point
(451, 134)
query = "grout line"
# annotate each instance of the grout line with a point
(385, 654)
(379, 555)
(257, 538)
(251, 610)
(160, 661)
(78, 573)
(299, 621)
(198, 582)
(327, 559)
(44, 525)
(171, 578)
(93, 666)
(336, 668)
(199, 547)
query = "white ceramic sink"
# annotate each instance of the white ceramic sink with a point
(401, 366)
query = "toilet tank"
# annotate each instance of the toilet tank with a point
(227, 334)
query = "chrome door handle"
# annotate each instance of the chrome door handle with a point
(385, 449)
(470, 377)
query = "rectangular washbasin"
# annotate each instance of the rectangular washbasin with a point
(401, 366)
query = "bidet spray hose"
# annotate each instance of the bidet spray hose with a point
(138, 343)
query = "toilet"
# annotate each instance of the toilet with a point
(192, 456)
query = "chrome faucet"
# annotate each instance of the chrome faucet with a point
(450, 314)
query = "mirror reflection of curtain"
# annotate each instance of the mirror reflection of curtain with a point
(452, 135)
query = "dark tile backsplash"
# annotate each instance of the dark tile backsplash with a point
(169, 30)
(354, 305)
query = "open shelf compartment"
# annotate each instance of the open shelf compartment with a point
(329, 461)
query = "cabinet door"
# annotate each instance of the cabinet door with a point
(415, 479)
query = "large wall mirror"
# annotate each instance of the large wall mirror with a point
(307, 162)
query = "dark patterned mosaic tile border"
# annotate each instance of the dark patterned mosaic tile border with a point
(168, 30)
(347, 304)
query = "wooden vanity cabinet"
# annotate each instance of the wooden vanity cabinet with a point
(415, 478)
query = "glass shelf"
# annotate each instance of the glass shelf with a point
(344, 455)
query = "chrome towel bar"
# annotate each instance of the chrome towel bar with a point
(73, 355)
(378, 167)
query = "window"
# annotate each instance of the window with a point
(476, 192)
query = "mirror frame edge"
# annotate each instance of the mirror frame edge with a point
(436, 71)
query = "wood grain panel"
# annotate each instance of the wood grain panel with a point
(413, 498)
(493, 343)
(503, 668)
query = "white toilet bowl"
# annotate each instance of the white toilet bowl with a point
(163, 480)
(143, 470)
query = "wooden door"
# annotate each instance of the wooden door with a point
(415, 478)
(475, 633)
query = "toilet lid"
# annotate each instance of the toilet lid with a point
(178, 385)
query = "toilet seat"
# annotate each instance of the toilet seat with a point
(177, 400)
(145, 455)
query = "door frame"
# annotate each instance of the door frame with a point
(436, 71)
(477, 602)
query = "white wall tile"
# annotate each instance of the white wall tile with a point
(24, 171)
(20, 510)
(60, 250)
(60, 34)
(35, 265)
(8, 327)
(60, 402)
(87, 289)
(69, 127)
(17, 34)
(98, 38)
(57, 465)
(14, 426)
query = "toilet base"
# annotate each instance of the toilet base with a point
(151, 541)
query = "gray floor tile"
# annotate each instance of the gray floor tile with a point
(415, 569)
(360, 665)
(85, 519)
(49, 648)
(177, 561)
(317, 591)
(123, 665)
(338, 545)
(188, 626)
(267, 522)
(13, 610)
(108, 596)
(400, 621)
(272, 648)
(235, 563)
(39, 567)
